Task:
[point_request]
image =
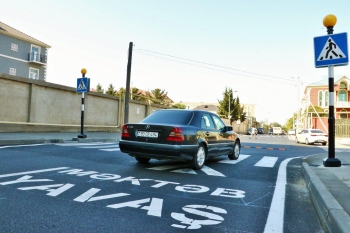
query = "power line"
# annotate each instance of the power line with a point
(209, 64)
(273, 80)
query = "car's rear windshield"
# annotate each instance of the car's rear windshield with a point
(316, 131)
(178, 117)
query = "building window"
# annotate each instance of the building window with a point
(320, 98)
(342, 96)
(343, 85)
(35, 53)
(12, 71)
(33, 73)
(326, 98)
(14, 47)
(343, 114)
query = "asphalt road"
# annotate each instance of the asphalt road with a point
(96, 188)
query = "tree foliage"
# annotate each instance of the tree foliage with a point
(120, 93)
(230, 107)
(179, 106)
(110, 90)
(158, 96)
(136, 94)
(318, 109)
(99, 88)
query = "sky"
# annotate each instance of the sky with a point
(191, 49)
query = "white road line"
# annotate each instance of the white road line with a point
(32, 172)
(267, 161)
(21, 145)
(240, 158)
(274, 221)
(84, 144)
(211, 172)
(185, 170)
(99, 146)
(115, 149)
(168, 167)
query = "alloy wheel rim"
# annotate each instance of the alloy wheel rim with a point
(200, 156)
(236, 151)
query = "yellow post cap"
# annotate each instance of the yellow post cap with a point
(83, 71)
(330, 20)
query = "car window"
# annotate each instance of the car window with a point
(180, 117)
(219, 125)
(316, 131)
(207, 122)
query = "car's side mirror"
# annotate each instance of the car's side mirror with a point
(228, 128)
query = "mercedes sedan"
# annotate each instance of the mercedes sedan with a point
(179, 134)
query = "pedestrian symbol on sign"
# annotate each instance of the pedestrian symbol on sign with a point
(330, 51)
(81, 85)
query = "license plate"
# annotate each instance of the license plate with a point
(147, 134)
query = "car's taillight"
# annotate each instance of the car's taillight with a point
(313, 135)
(176, 135)
(125, 133)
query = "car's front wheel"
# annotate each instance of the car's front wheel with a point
(235, 153)
(142, 159)
(324, 143)
(199, 158)
(307, 141)
(296, 139)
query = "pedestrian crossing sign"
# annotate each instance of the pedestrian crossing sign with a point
(331, 50)
(83, 85)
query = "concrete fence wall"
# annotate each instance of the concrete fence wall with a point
(33, 105)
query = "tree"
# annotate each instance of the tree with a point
(318, 109)
(110, 90)
(179, 106)
(230, 106)
(99, 88)
(120, 93)
(158, 96)
(136, 94)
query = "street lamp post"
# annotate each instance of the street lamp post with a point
(329, 21)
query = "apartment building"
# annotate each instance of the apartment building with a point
(22, 55)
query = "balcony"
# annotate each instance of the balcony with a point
(37, 58)
(342, 104)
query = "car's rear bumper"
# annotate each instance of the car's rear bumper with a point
(158, 151)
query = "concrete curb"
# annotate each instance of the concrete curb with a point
(29, 141)
(332, 216)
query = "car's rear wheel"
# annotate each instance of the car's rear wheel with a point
(296, 139)
(324, 143)
(142, 159)
(235, 152)
(199, 158)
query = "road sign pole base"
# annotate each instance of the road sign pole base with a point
(331, 162)
(82, 136)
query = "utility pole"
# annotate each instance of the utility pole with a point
(127, 89)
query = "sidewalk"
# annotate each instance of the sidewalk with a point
(329, 188)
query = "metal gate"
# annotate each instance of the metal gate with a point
(342, 128)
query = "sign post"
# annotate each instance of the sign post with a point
(330, 51)
(83, 85)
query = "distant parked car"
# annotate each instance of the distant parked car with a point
(261, 131)
(291, 132)
(311, 136)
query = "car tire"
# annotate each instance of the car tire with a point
(199, 158)
(236, 152)
(307, 141)
(324, 143)
(296, 139)
(142, 159)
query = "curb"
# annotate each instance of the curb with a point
(332, 216)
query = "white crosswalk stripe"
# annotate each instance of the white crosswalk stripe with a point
(266, 161)
(240, 158)
(104, 146)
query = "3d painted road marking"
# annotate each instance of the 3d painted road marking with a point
(266, 161)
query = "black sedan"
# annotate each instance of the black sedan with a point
(179, 134)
